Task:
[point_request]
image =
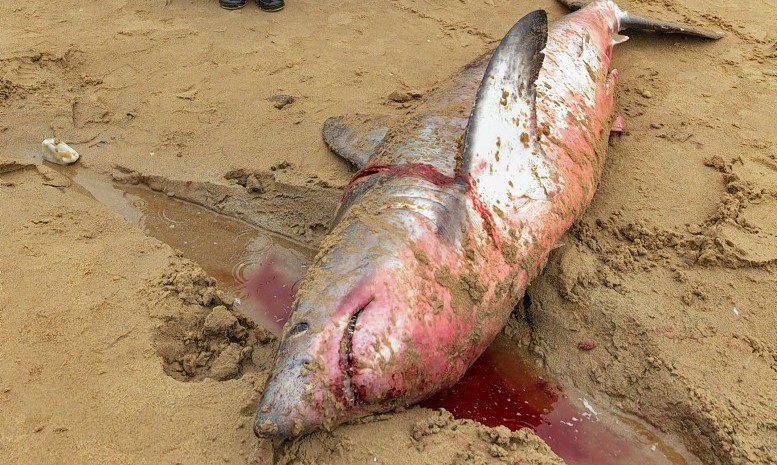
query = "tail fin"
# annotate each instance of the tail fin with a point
(629, 21)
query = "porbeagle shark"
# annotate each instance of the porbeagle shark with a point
(450, 215)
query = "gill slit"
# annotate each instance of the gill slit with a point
(346, 355)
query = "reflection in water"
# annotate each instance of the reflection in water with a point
(258, 267)
(263, 270)
(267, 284)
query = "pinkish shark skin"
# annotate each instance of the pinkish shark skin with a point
(434, 244)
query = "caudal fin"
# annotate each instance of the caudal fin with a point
(629, 21)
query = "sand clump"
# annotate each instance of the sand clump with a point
(206, 339)
(435, 437)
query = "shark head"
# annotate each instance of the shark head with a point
(372, 328)
(351, 282)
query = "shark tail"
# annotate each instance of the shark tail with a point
(630, 21)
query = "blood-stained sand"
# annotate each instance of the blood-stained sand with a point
(115, 349)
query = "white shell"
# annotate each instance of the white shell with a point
(56, 151)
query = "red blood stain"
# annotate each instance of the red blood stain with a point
(501, 389)
(268, 289)
(486, 395)
(485, 214)
(417, 170)
(586, 345)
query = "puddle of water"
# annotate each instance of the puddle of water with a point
(263, 269)
(260, 268)
(502, 389)
(267, 283)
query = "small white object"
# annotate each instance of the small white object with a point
(56, 151)
(736, 311)
(616, 39)
(588, 407)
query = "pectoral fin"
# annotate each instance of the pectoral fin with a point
(356, 137)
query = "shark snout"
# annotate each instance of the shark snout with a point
(310, 387)
(287, 404)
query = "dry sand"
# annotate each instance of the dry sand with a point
(672, 271)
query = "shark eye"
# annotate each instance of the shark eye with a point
(299, 328)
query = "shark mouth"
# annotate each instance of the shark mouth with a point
(347, 358)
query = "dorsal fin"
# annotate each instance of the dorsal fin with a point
(356, 137)
(503, 120)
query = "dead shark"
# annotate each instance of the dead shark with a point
(451, 214)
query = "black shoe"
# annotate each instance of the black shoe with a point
(232, 4)
(270, 5)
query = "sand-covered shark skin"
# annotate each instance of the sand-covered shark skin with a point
(444, 225)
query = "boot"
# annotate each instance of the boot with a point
(232, 4)
(270, 5)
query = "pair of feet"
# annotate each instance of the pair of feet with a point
(266, 5)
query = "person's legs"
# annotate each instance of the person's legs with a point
(232, 4)
(270, 5)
